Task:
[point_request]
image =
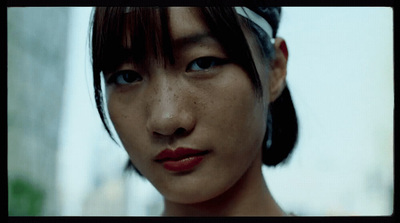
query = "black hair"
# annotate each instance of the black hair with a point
(282, 129)
(148, 28)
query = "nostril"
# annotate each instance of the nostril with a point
(157, 134)
(180, 132)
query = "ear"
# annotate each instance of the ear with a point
(277, 77)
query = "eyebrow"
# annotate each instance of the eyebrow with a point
(178, 44)
(192, 39)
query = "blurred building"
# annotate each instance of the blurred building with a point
(36, 74)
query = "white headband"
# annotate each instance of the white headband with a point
(254, 17)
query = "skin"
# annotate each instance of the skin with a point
(215, 109)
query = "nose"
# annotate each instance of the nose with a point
(169, 113)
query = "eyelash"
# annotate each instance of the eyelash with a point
(210, 63)
(115, 77)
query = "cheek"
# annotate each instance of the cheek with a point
(119, 114)
(235, 119)
(233, 105)
(129, 125)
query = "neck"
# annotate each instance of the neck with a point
(248, 197)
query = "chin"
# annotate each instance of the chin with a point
(195, 193)
(192, 196)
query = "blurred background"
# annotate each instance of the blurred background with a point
(340, 72)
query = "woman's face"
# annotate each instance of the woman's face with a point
(192, 128)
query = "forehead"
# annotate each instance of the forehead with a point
(185, 21)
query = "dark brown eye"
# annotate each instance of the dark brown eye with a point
(204, 63)
(125, 77)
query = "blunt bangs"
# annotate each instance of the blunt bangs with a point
(129, 35)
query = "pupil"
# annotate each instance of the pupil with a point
(128, 77)
(205, 62)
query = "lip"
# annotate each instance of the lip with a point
(180, 159)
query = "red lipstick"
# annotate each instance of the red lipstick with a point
(180, 159)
